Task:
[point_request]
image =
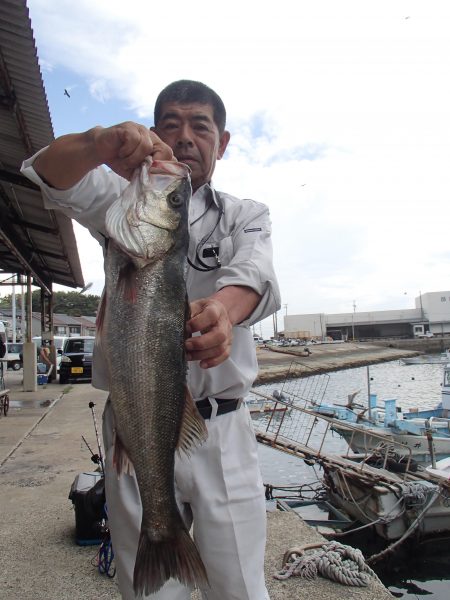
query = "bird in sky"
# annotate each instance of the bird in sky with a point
(66, 93)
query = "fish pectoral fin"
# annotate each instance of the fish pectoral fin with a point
(193, 427)
(127, 282)
(121, 461)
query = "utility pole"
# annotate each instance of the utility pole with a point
(421, 305)
(353, 321)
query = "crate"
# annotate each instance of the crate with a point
(42, 379)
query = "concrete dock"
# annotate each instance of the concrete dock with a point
(274, 363)
(41, 452)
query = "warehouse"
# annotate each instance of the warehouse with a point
(431, 315)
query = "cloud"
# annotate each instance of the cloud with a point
(99, 90)
(339, 120)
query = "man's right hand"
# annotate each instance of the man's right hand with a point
(123, 147)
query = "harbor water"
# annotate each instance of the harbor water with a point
(426, 571)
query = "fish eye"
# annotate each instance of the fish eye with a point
(176, 200)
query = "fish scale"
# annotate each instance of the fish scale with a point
(143, 334)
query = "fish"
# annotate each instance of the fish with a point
(142, 333)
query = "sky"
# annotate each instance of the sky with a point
(339, 114)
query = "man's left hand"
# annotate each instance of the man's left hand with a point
(209, 316)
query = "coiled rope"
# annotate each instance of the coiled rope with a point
(415, 493)
(337, 562)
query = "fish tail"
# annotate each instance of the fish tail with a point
(158, 561)
(127, 282)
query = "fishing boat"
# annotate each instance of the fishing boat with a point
(425, 433)
(382, 488)
(396, 505)
(264, 406)
(425, 359)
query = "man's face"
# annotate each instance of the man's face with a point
(190, 130)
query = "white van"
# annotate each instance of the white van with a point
(13, 352)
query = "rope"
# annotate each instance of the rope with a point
(307, 491)
(337, 562)
(376, 557)
(104, 558)
(415, 493)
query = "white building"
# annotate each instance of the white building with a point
(432, 313)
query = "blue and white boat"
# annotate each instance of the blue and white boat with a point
(424, 434)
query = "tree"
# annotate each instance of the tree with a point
(68, 303)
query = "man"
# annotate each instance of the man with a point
(44, 355)
(231, 284)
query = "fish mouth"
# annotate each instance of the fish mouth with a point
(171, 168)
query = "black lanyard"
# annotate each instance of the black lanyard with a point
(204, 268)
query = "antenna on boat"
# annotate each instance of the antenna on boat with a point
(369, 403)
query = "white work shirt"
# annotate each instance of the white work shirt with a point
(243, 236)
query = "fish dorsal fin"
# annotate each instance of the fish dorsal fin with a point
(193, 427)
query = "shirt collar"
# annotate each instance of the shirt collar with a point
(205, 193)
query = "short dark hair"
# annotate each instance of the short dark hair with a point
(186, 91)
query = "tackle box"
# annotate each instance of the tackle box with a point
(88, 498)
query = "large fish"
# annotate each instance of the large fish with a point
(142, 334)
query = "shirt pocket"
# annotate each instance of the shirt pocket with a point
(216, 252)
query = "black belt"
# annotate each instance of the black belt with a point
(224, 406)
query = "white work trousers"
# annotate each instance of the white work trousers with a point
(219, 488)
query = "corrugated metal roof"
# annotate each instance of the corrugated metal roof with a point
(31, 237)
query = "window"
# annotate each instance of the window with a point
(79, 345)
(447, 378)
(14, 348)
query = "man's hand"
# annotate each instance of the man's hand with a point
(214, 318)
(209, 317)
(123, 147)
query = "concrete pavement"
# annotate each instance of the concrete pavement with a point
(41, 452)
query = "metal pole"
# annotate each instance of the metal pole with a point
(429, 436)
(13, 314)
(22, 318)
(353, 322)
(29, 308)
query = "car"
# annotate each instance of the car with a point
(13, 355)
(76, 359)
(427, 334)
